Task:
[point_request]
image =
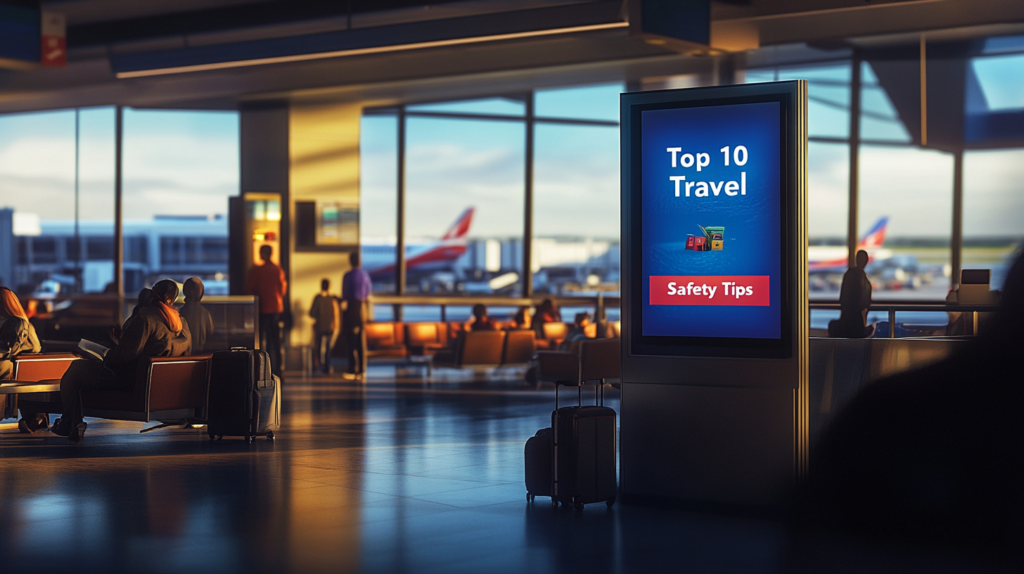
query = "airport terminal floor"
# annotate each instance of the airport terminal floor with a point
(390, 476)
(393, 475)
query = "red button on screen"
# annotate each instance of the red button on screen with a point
(734, 290)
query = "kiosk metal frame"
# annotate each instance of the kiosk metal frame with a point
(720, 422)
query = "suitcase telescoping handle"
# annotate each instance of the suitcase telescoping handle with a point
(579, 397)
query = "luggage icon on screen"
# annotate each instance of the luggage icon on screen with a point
(713, 239)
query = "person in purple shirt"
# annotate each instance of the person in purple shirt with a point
(355, 291)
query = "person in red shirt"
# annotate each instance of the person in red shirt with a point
(267, 282)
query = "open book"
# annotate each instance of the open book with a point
(92, 350)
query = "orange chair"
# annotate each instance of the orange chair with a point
(555, 333)
(384, 339)
(169, 390)
(520, 347)
(480, 349)
(422, 338)
(35, 367)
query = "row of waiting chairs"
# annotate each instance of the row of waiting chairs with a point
(168, 389)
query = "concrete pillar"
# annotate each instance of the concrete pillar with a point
(305, 152)
(323, 148)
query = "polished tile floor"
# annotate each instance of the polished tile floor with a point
(391, 476)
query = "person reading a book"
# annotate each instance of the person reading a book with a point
(200, 323)
(156, 331)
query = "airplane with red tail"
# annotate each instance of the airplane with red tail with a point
(379, 258)
(833, 259)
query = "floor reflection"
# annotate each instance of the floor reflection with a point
(393, 476)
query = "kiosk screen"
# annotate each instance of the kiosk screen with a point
(712, 215)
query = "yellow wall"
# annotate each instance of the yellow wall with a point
(324, 164)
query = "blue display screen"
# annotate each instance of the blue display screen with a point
(712, 217)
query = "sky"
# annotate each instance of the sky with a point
(174, 163)
(187, 163)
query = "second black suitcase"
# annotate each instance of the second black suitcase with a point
(538, 465)
(584, 456)
(244, 396)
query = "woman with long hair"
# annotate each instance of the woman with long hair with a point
(155, 331)
(16, 334)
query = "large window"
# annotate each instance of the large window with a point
(465, 190)
(378, 197)
(576, 191)
(454, 165)
(180, 167)
(49, 189)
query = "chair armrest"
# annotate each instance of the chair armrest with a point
(177, 382)
(39, 366)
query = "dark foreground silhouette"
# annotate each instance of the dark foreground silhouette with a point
(930, 461)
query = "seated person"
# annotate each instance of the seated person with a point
(521, 321)
(578, 331)
(547, 312)
(156, 331)
(16, 334)
(200, 323)
(32, 421)
(480, 320)
(854, 300)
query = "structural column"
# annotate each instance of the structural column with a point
(118, 212)
(851, 226)
(957, 241)
(528, 202)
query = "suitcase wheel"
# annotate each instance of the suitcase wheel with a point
(529, 497)
(554, 502)
(577, 504)
(270, 436)
(610, 502)
(248, 438)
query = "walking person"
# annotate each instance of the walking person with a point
(355, 292)
(267, 281)
(324, 312)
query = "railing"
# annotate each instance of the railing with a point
(891, 308)
(599, 302)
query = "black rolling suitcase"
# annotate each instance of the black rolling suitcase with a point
(573, 462)
(584, 454)
(245, 398)
(538, 464)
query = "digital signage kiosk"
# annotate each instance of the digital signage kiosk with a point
(714, 292)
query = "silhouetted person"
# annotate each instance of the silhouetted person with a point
(200, 322)
(854, 300)
(547, 312)
(934, 458)
(481, 322)
(156, 331)
(578, 331)
(522, 320)
(355, 292)
(267, 282)
(324, 312)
